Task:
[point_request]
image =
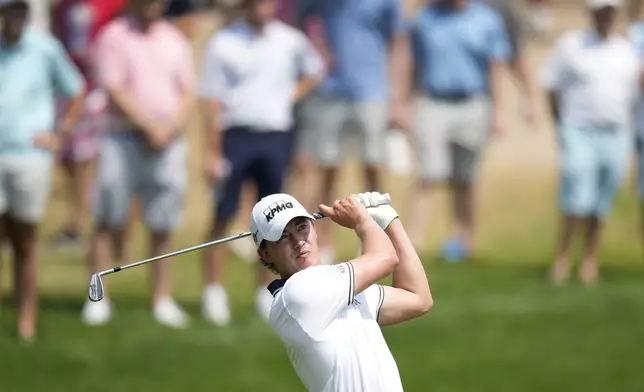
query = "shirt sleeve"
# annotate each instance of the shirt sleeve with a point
(109, 62)
(309, 61)
(395, 19)
(213, 83)
(499, 48)
(315, 296)
(375, 296)
(67, 79)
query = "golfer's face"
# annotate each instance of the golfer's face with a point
(296, 249)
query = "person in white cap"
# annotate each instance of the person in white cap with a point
(329, 316)
(593, 80)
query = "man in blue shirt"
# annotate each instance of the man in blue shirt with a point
(366, 47)
(460, 48)
(33, 68)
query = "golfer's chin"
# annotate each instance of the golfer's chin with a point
(307, 260)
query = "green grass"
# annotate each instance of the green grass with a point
(497, 325)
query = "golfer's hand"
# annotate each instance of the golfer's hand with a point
(348, 212)
(383, 214)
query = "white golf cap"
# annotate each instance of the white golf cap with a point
(271, 215)
(599, 4)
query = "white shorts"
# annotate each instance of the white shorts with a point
(128, 169)
(25, 184)
(326, 120)
(451, 136)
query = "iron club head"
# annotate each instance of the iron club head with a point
(95, 288)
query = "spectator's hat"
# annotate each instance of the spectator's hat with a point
(599, 4)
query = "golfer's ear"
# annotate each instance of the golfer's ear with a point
(262, 252)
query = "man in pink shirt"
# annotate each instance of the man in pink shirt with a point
(145, 65)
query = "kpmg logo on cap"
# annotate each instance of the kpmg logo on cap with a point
(276, 208)
(255, 235)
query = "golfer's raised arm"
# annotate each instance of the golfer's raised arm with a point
(409, 295)
(378, 258)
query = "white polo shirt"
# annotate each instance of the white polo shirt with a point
(332, 337)
(254, 76)
(597, 80)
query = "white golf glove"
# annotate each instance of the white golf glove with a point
(383, 214)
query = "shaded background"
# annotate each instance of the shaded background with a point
(496, 325)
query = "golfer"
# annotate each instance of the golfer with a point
(329, 316)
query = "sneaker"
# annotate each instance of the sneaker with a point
(454, 251)
(215, 305)
(263, 302)
(167, 312)
(97, 313)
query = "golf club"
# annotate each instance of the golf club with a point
(96, 281)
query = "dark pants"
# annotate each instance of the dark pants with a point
(262, 157)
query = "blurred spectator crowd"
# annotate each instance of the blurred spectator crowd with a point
(105, 88)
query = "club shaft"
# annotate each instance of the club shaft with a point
(317, 215)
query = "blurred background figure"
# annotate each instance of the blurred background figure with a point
(184, 14)
(366, 87)
(593, 80)
(35, 68)
(540, 18)
(254, 72)
(76, 23)
(460, 50)
(40, 11)
(145, 65)
(636, 34)
(519, 63)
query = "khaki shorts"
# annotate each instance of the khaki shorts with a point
(326, 121)
(451, 136)
(25, 184)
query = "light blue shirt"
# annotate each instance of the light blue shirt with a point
(31, 74)
(359, 34)
(453, 50)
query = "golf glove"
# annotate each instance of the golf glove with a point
(383, 214)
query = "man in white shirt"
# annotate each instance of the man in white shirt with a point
(254, 72)
(329, 316)
(593, 80)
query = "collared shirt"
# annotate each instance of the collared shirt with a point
(359, 34)
(453, 50)
(254, 76)
(32, 73)
(331, 334)
(154, 67)
(597, 80)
